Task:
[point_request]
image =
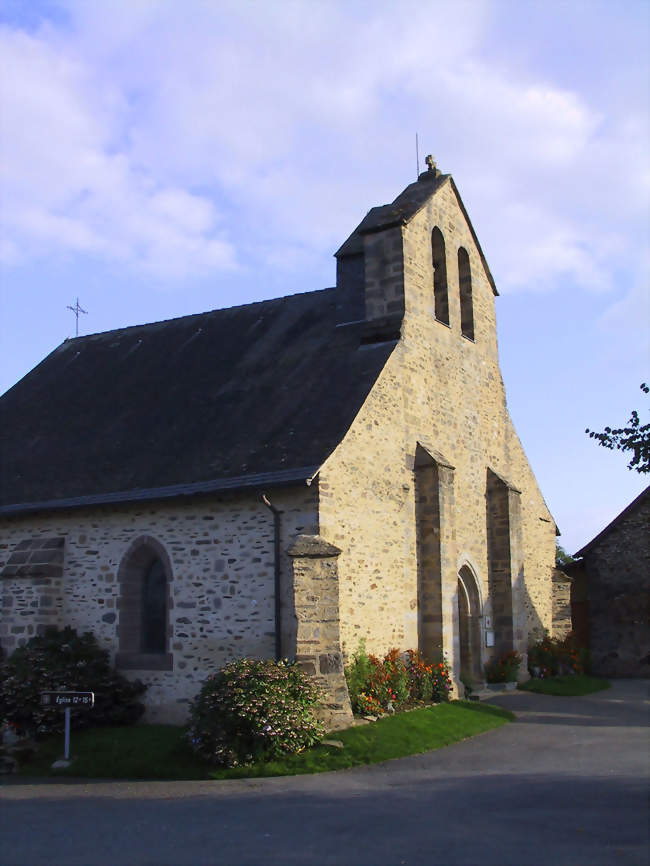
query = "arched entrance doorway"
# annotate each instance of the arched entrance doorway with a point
(469, 626)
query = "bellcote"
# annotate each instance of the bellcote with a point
(370, 264)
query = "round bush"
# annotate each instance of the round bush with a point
(65, 661)
(254, 711)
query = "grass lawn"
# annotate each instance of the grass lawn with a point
(571, 686)
(133, 752)
(159, 752)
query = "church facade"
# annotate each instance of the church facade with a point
(285, 478)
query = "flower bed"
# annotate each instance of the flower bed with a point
(503, 669)
(552, 657)
(397, 681)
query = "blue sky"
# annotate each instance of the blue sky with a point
(164, 158)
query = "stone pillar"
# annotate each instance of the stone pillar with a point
(448, 557)
(506, 567)
(499, 562)
(318, 642)
(427, 506)
(519, 615)
(434, 490)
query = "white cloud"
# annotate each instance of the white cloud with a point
(146, 126)
(70, 186)
(624, 324)
(544, 249)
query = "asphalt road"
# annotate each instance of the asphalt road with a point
(564, 785)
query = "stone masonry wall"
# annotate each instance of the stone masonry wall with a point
(561, 604)
(34, 570)
(444, 389)
(618, 588)
(222, 586)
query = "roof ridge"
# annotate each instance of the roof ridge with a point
(188, 316)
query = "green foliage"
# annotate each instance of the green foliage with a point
(551, 657)
(504, 668)
(254, 711)
(635, 438)
(562, 558)
(358, 673)
(65, 661)
(379, 685)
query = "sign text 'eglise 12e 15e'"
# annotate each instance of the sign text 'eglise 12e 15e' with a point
(67, 699)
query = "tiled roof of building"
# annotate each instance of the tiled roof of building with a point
(240, 397)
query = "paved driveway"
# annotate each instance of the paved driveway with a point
(565, 785)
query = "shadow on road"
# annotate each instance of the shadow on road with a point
(493, 819)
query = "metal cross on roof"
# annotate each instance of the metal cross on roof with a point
(76, 310)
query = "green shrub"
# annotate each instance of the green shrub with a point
(254, 711)
(65, 661)
(357, 674)
(504, 668)
(380, 685)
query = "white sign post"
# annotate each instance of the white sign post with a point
(67, 700)
(66, 735)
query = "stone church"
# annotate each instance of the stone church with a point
(285, 478)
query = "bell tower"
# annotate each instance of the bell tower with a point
(370, 264)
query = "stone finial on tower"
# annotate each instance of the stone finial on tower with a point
(432, 172)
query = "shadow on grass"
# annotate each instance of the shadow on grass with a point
(566, 686)
(160, 752)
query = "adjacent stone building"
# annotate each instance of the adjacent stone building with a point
(285, 478)
(610, 595)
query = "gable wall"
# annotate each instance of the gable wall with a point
(618, 588)
(221, 552)
(444, 390)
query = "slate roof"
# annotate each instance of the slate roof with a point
(242, 397)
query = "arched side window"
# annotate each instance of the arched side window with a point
(440, 293)
(143, 625)
(465, 283)
(154, 609)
